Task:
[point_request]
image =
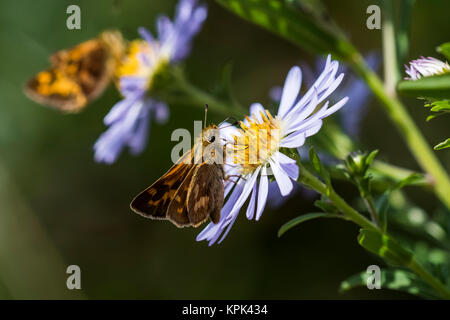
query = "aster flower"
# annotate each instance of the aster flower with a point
(425, 67)
(129, 119)
(350, 118)
(296, 120)
(352, 115)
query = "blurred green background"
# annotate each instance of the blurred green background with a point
(58, 207)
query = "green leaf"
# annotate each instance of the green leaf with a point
(412, 179)
(431, 117)
(369, 159)
(442, 145)
(326, 205)
(353, 168)
(305, 217)
(385, 247)
(287, 20)
(315, 161)
(394, 279)
(441, 105)
(320, 169)
(434, 87)
(444, 49)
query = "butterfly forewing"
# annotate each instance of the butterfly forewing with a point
(154, 201)
(205, 198)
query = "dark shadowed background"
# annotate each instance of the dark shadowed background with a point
(58, 207)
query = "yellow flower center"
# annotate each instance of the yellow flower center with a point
(258, 140)
(142, 60)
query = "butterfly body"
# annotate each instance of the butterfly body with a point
(191, 191)
(77, 75)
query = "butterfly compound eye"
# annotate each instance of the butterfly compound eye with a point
(212, 139)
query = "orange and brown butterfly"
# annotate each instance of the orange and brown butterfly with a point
(78, 75)
(191, 191)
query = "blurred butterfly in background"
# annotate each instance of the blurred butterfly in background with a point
(78, 75)
(191, 191)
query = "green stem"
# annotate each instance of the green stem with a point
(391, 70)
(368, 200)
(397, 173)
(406, 8)
(408, 129)
(339, 144)
(308, 179)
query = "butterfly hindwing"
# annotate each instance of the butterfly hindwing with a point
(177, 211)
(205, 198)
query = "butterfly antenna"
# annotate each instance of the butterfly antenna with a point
(206, 114)
(233, 124)
(228, 118)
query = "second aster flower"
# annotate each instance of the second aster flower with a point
(129, 119)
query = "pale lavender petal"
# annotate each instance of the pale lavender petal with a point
(255, 111)
(290, 90)
(294, 140)
(298, 115)
(227, 131)
(288, 164)
(425, 67)
(313, 128)
(132, 86)
(131, 130)
(335, 107)
(146, 35)
(262, 193)
(229, 184)
(282, 178)
(251, 204)
(230, 224)
(291, 169)
(187, 23)
(138, 139)
(213, 231)
(282, 158)
(248, 186)
(316, 87)
(165, 28)
(117, 111)
(322, 113)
